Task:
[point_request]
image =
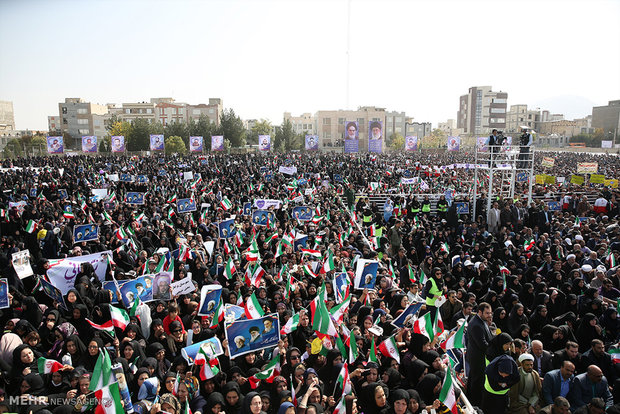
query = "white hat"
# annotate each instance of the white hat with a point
(477, 264)
(508, 243)
(601, 268)
(468, 263)
(526, 357)
(571, 256)
(579, 237)
(586, 268)
(568, 241)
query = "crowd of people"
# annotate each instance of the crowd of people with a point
(522, 299)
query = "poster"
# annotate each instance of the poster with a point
(227, 228)
(217, 143)
(161, 285)
(213, 346)
(261, 217)
(266, 203)
(577, 179)
(195, 144)
(264, 142)
(53, 292)
(462, 208)
(21, 263)
(142, 179)
(554, 206)
(407, 317)
(134, 198)
(312, 142)
(606, 144)
(183, 286)
(126, 178)
(157, 143)
(89, 143)
(111, 286)
(340, 283)
(233, 312)
(62, 272)
(247, 209)
(62, 193)
(141, 287)
(85, 233)
(352, 137)
(411, 143)
(597, 179)
(366, 274)
(209, 298)
(4, 294)
(454, 143)
(186, 205)
(375, 136)
(250, 335)
(481, 142)
(548, 162)
(55, 145)
(303, 213)
(118, 143)
(587, 167)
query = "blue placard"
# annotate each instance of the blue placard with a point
(126, 178)
(247, 209)
(227, 228)
(134, 198)
(141, 287)
(111, 286)
(53, 292)
(268, 177)
(462, 208)
(186, 205)
(85, 232)
(233, 312)
(204, 162)
(4, 294)
(62, 193)
(299, 243)
(407, 174)
(263, 170)
(162, 173)
(302, 213)
(338, 178)
(209, 298)
(260, 217)
(341, 281)
(521, 177)
(366, 274)
(250, 335)
(555, 206)
(161, 161)
(33, 192)
(142, 179)
(69, 208)
(406, 318)
(302, 181)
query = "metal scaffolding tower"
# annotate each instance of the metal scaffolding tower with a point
(505, 166)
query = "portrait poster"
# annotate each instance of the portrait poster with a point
(217, 143)
(186, 205)
(411, 143)
(250, 335)
(195, 144)
(227, 228)
(209, 299)
(162, 289)
(352, 137)
(55, 145)
(4, 294)
(375, 136)
(134, 198)
(454, 143)
(406, 318)
(157, 142)
(85, 233)
(118, 143)
(141, 287)
(213, 346)
(89, 143)
(21, 263)
(366, 274)
(312, 142)
(53, 292)
(264, 142)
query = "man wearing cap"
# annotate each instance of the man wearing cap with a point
(500, 375)
(526, 395)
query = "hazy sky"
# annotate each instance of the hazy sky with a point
(266, 57)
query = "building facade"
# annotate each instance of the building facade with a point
(213, 110)
(306, 122)
(331, 126)
(131, 111)
(79, 118)
(482, 110)
(607, 118)
(519, 116)
(7, 117)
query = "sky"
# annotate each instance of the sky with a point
(264, 58)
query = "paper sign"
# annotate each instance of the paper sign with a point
(183, 286)
(21, 264)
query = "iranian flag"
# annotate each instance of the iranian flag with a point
(528, 245)
(107, 326)
(344, 381)
(424, 326)
(411, 274)
(438, 329)
(611, 259)
(229, 269)
(447, 394)
(456, 340)
(389, 348)
(372, 356)
(253, 254)
(172, 199)
(206, 361)
(308, 271)
(109, 398)
(422, 277)
(314, 253)
(226, 204)
(321, 320)
(218, 315)
(48, 366)
(577, 222)
(340, 310)
(31, 226)
(238, 239)
(328, 263)
(291, 324)
(268, 374)
(102, 373)
(120, 319)
(254, 276)
(444, 248)
(68, 215)
(253, 310)
(341, 407)
(615, 355)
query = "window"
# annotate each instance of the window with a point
(376, 119)
(83, 131)
(361, 121)
(127, 110)
(195, 111)
(82, 121)
(340, 121)
(211, 110)
(149, 110)
(398, 129)
(327, 134)
(82, 111)
(499, 100)
(398, 120)
(64, 109)
(498, 110)
(327, 121)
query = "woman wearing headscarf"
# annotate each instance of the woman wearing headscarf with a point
(538, 319)
(499, 345)
(429, 388)
(169, 404)
(31, 311)
(94, 347)
(373, 398)
(611, 324)
(149, 390)
(516, 318)
(233, 397)
(133, 353)
(8, 342)
(75, 348)
(416, 405)
(33, 384)
(588, 330)
(215, 403)
(24, 363)
(61, 333)
(46, 331)
(189, 394)
(138, 379)
(399, 403)
(157, 351)
(78, 320)
(500, 319)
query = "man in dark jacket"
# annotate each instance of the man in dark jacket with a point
(478, 337)
(596, 355)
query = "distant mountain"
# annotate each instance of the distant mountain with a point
(571, 106)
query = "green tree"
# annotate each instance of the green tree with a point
(203, 128)
(138, 136)
(436, 139)
(175, 144)
(179, 129)
(38, 144)
(286, 139)
(14, 148)
(262, 127)
(231, 127)
(396, 141)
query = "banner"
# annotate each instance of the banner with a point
(577, 179)
(481, 142)
(118, 143)
(454, 143)
(217, 143)
(606, 144)
(287, 170)
(250, 335)
(89, 143)
(375, 136)
(365, 274)
(111, 285)
(141, 287)
(587, 167)
(227, 228)
(62, 272)
(352, 137)
(183, 286)
(85, 233)
(411, 143)
(555, 206)
(4, 294)
(264, 142)
(462, 208)
(548, 162)
(266, 203)
(406, 318)
(134, 198)
(157, 142)
(261, 217)
(312, 142)
(195, 144)
(214, 345)
(209, 298)
(597, 179)
(613, 183)
(303, 213)
(55, 145)
(233, 312)
(21, 263)
(186, 205)
(549, 179)
(161, 285)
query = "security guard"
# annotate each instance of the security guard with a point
(414, 207)
(426, 206)
(442, 207)
(433, 290)
(501, 374)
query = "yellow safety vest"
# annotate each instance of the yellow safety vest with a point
(442, 208)
(490, 389)
(430, 298)
(426, 208)
(367, 219)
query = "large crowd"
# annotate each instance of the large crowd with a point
(522, 299)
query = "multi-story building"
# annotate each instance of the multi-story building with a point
(519, 116)
(395, 123)
(607, 118)
(135, 110)
(482, 110)
(331, 125)
(306, 122)
(167, 110)
(562, 128)
(78, 118)
(418, 129)
(213, 110)
(54, 125)
(585, 125)
(7, 119)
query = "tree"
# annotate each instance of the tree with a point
(262, 127)
(203, 128)
(437, 138)
(138, 138)
(118, 128)
(175, 144)
(396, 141)
(14, 148)
(179, 129)
(286, 139)
(231, 127)
(38, 144)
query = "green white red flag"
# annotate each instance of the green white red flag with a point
(268, 374)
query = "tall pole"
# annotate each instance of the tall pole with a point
(348, 51)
